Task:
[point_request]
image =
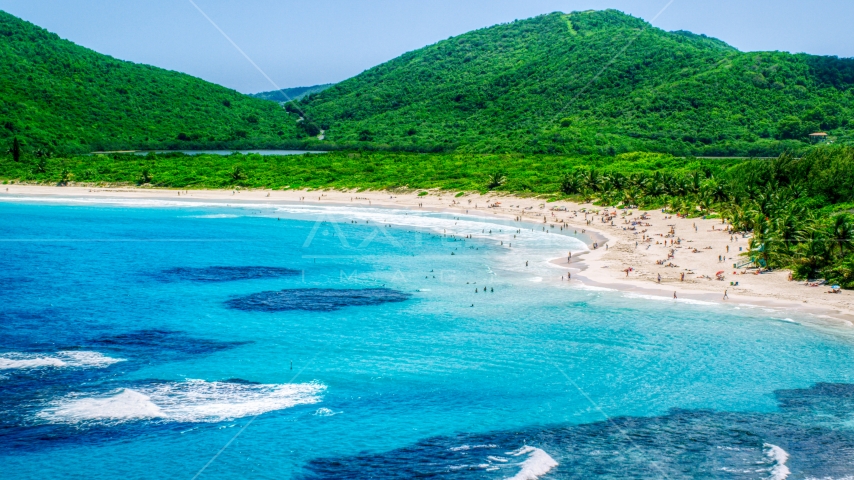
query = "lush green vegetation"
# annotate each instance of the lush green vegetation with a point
(287, 94)
(57, 97)
(597, 82)
(561, 83)
(796, 208)
(525, 108)
(525, 174)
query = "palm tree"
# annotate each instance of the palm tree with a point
(237, 173)
(788, 227)
(695, 181)
(618, 180)
(676, 204)
(655, 185)
(812, 251)
(495, 179)
(705, 202)
(591, 179)
(843, 273)
(586, 194)
(762, 235)
(842, 233)
(569, 184)
(631, 196)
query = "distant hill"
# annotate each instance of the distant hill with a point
(287, 94)
(588, 82)
(59, 97)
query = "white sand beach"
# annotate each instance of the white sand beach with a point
(701, 254)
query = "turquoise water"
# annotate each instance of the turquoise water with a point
(348, 342)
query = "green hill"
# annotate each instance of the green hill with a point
(288, 94)
(535, 86)
(59, 97)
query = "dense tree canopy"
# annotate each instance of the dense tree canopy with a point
(56, 96)
(589, 82)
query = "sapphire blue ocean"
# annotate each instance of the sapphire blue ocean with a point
(190, 340)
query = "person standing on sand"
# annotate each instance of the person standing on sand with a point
(674, 295)
(659, 278)
(725, 295)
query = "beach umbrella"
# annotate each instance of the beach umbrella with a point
(835, 287)
(719, 273)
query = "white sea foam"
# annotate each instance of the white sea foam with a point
(536, 465)
(326, 412)
(460, 226)
(65, 359)
(591, 288)
(667, 298)
(779, 456)
(527, 243)
(470, 447)
(190, 401)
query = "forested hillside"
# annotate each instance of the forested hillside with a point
(288, 94)
(535, 86)
(597, 82)
(58, 97)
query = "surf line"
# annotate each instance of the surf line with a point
(612, 422)
(228, 444)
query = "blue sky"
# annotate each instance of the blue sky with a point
(320, 41)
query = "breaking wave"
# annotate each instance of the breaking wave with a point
(64, 359)
(536, 464)
(190, 401)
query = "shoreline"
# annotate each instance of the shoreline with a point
(620, 248)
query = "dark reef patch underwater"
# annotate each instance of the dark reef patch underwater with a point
(35, 375)
(168, 344)
(224, 274)
(810, 437)
(315, 299)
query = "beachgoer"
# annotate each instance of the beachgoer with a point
(659, 278)
(674, 295)
(725, 294)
